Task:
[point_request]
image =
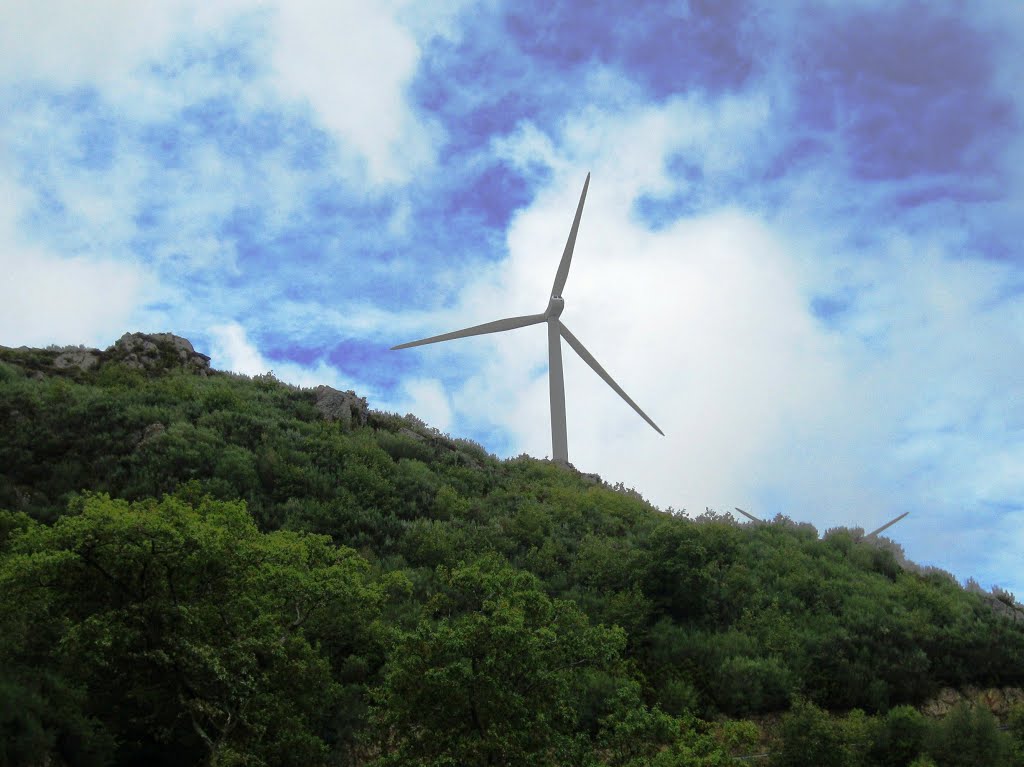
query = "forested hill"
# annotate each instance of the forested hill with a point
(204, 568)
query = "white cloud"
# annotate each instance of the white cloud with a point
(106, 44)
(47, 298)
(352, 62)
(425, 398)
(231, 350)
(69, 43)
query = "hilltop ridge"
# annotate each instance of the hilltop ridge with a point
(161, 353)
(149, 352)
(208, 564)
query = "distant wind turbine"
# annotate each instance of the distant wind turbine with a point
(556, 331)
(886, 526)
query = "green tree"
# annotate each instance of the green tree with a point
(701, 744)
(809, 738)
(185, 626)
(749, 685)
(966, 737)
(491, 675)
(900, 737)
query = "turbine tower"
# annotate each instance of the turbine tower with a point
(556, 331)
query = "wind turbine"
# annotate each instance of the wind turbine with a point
(556, 331)
(886, 526)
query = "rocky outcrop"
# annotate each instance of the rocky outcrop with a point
(81, 358)
(343, 406)
(998, 700)
(148, 352)
(1013, 612)
(158, 351)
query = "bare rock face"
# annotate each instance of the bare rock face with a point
(1013, 612)
(149, 352)
(83, 359)
(998, 700)
(343, 406)
(155, 351)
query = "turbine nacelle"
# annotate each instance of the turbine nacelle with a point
(555, 307)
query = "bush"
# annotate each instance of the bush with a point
(809, 738)
(967, 737)
(900, 738)
(752, 685)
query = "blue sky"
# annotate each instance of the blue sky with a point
(800, 254)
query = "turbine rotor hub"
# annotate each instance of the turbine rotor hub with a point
(555, 306)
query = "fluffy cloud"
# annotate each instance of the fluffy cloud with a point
(352, 62)
(51, 298)
(232, 350)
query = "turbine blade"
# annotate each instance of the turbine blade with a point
(589, 359)
(497, 326)
(751, 517)
(888, 524)
(563, 267)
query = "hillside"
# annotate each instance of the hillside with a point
(199, 567)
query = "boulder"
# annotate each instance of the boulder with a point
(343, 406)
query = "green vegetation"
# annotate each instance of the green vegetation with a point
(203, 570)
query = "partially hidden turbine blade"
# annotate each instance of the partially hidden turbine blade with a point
(510, 323)
(563, 267)
(589, 359)
(887, 525)
(751, 517)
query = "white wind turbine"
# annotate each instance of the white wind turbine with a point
(556, 331)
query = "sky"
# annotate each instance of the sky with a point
(802, 250)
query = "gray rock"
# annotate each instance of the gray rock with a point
(998, 700)
(150, 351)
(343, 406)
(151, 432)
(1014, 612)
(83, 359)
